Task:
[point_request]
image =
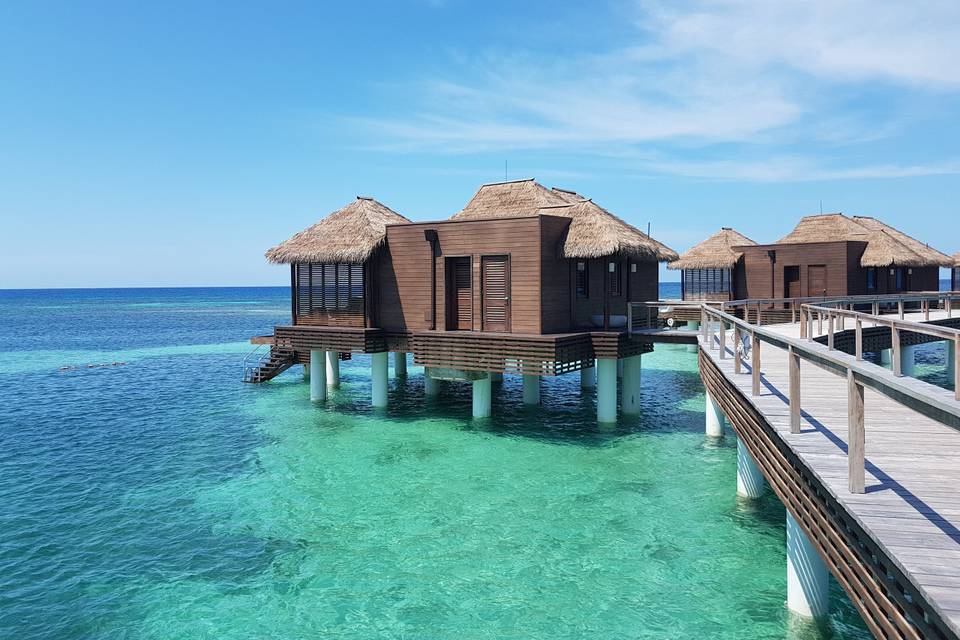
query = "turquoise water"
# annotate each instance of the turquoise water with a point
(155, 496)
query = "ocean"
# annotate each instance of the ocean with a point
(145, 492)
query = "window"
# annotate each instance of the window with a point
(583, 280)
(699, 283)
(871, 278)
(614, 269)
(329, 288)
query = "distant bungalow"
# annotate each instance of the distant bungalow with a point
(524, 279)
(713, 269)
(825, 255)
(955, 273)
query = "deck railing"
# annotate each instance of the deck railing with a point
(916, 395)
(949, 300)
(656, 314)
(835, 317)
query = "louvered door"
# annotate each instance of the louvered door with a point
(459, 294)
(495, 273)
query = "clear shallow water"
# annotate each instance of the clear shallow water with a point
(162, 498)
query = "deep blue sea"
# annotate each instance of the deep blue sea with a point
(145, 492)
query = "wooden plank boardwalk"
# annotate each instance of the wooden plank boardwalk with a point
(911, 506)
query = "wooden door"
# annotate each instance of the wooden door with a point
(459, 294)
(495, 290)
(817, 280)
(791, 282)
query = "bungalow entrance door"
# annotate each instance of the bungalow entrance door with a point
(459, 294)
(495, 289)
(817, 280)
(791, 282)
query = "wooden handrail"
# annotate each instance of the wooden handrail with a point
(924, 398)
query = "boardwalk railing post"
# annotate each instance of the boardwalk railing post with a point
(895, 350)
(830, 330)
(926, 310)
(956, 368)
(819, 322)
(794, 391)
(855, 434)
(793, 312)
(704, 319)
(755, 363)
(737, 341)
(723, 339)
(803, 323)
(900, 307)
(859, 339)
(629, 317)
(759, 314)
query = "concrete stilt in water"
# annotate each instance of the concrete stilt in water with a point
(431, 387)
(588, 378)
(714, 418)
(749, 478)
(694, 326)
(531, 389)
(620, 368)
(482, 397)
(808, 583)
(951, 349)
(908, 360)
(496, 377)
(399, 364)
(630, 386)
(318, 375)
(378, 376)
(333, 369)
(606, 390)
(886, 357)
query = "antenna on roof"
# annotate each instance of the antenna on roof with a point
(648, 228)
(821, 206)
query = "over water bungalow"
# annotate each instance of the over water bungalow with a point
(836, 255)
(713, 270)
(955, 273)
(523, 279)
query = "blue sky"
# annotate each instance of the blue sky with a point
(163, 144)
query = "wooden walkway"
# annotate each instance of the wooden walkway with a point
(911, 507)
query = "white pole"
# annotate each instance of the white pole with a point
(908, 360)
(333, 369)
(482, 397)
(431, 387)
(606, 390)
(378, 378)
(630, 390)
(885, 357)
(399, 364)
(808, 582)
(318, 376)
(951, 358)
(749, 478)
(588, 378)
(531, 389)
(714, 417)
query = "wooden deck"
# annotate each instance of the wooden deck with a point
(910, 509)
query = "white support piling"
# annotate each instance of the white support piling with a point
(378, 377)
(808, 582)
(908, 360)
(951, 353)
(606, 390)
(333, 369)
(531, 389)
(431, 387)
(318, 375)
(482, 397)
(620, 368)
(630, 386)
(886, 357)
(693, 326)
(399, 364)
(749, 477)
(588, 377)
(714, 417)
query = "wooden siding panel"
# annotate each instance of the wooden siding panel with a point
(555, 276)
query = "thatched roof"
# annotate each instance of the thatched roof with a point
(594, 232)
(517, 198)
(350, 234)
(886, 246)
(716, 252)
(928, 253)
(956, 259)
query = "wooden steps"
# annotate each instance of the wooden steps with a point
(278, 360)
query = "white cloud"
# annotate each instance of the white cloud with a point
(757, 72)
(795, 169)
